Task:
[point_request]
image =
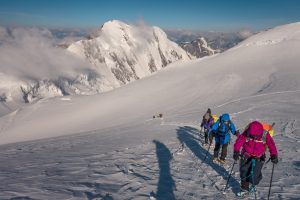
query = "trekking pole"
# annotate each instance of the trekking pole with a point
(229, 176)
(271, 181)
(273, 124)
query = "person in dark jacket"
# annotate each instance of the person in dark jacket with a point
(207, 122)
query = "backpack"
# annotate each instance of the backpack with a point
(268, 128)
(215, 117)
(223, 128)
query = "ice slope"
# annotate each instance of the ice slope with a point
(111, 148)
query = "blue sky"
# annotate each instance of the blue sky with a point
(218, 15)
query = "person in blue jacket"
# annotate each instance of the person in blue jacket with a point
(221, 130)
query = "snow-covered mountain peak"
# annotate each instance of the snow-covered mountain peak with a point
(159, 32)
(128, 52)
(108, 27)
(115, 28)
(113, 24)
(116, 54)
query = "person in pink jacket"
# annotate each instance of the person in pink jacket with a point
(252, 142)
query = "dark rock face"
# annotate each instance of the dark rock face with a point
(198, 48)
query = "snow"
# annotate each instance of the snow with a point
(108, 146)
(135, 50)
(118, 54)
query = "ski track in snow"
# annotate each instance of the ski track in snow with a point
(134, 172)
(254, 96)
(72, 168)
(77, 167)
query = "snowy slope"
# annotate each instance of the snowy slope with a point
(128, 52)
(117, 151)
(118, 54)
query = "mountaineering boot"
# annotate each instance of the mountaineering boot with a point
(222, 161)
(252, 192)
(244, 189)
(215, 160)
(242, 193)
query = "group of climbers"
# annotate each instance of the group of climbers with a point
(220, 130)
(249, 147)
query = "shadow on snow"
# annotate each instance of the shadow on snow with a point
(186, 136)
(166, 184)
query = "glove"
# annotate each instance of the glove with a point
(274, 159)
(236, 155)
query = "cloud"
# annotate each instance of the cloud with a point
(31, 53)
(69, 35)
(142, 30)
(143, 34)
(245, 33)
(3, 34)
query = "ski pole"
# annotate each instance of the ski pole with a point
(229, 176)
(273, 124)
(271, 181)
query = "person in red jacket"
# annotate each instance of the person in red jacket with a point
(252, 155)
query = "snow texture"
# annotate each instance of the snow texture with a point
(108, 146)
(118, 54)
(128, 52)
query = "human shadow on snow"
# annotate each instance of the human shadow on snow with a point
(186, 135)
(166, 184)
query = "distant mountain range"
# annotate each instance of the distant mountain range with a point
(219, 41)
(198, 48)
(119, 53)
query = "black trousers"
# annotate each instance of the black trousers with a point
(245, 171)
(206, 136)
(223, 152)
(210, 138)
